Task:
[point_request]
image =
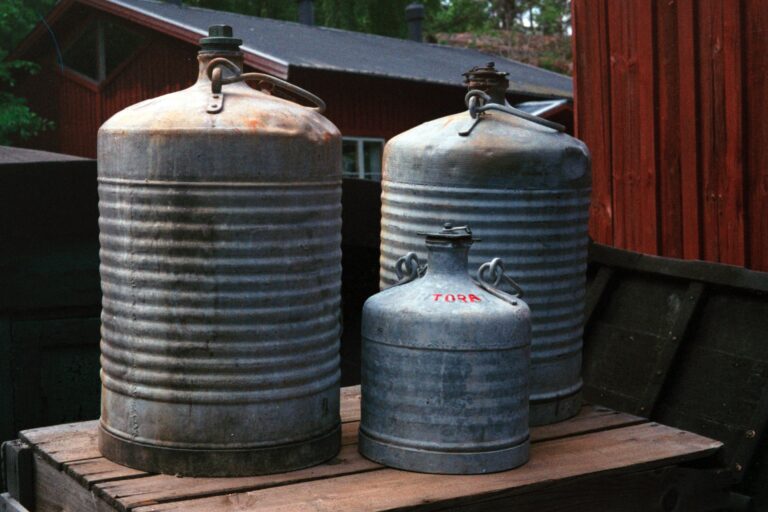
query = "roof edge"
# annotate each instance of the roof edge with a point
(542, 95)
(184, 33)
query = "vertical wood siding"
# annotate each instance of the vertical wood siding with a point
(672, 99)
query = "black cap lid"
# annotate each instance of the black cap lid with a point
(449, 233)
(220, 40)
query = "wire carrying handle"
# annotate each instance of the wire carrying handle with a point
(477, 102)
(491, 274)
(408, 268)
(214, 71)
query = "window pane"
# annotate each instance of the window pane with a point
(349, 159)
(82, 56)
(372, 151)
(120, 44)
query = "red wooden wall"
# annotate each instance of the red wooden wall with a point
(671, 96)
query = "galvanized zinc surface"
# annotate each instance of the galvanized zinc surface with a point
(445, 372)
(301, 46)
(524, 189)
(220, 265)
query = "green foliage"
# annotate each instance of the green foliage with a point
(458, 16)
(17, 121)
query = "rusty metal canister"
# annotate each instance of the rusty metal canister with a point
(220, 222)
(445, 366)
(524, 187)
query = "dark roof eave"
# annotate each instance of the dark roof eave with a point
(252, 57)
(542, 93)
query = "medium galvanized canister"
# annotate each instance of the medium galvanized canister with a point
(445, 367)
(525, 190)
(220, 219)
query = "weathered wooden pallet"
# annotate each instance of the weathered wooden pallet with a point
(599, 460)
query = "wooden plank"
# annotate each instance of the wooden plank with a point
(671, 488)
(125, 487)
(56, 492)
(592, 98)
(591, 418)
(64, 443)
(745, 448)
(731, 208)
(77, 441)
(615, 377)
(627, 449)
(712, 122)
(350, 403)
(668, 350)
(595, 292)
(689, 128)
(756, 150)
(720, 274)
(92, 471)
(643, 201)
(632, 122)
(668, 129)
(18, 471)
(129, 494)
(623, 113)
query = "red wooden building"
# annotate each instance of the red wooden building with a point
(99, 56)
(672, 98)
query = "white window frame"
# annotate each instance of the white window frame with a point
(361, 153)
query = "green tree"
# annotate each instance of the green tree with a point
(17, 120)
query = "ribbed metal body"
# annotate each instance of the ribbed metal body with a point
(445, 373)
(220, 270)
(525, 190)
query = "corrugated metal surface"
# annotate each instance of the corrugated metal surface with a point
(220, 263)
(672, 97)
(541, 235)
(445, 377)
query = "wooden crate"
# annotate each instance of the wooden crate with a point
(600, 460)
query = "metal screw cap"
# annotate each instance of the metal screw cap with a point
(220, 39)
(451, 233)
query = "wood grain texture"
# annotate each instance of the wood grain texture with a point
(755, 27)
(593, 122)
(662, 490)
(689, 129)
(686, 146)
(560, 452)
(55, 491)
(627, 449)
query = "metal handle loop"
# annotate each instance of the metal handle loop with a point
(407, 268)
(477, 102)
(491, 274)
(213, 71)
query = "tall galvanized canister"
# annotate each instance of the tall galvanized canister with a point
(525, 190)
(220, 221)
(445, 367)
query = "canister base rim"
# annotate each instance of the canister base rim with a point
(447, 463)
(545, 412)
(220, 463)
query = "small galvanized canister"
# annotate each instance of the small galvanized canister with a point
(445, 367)
(524, 188)
(220, 219)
